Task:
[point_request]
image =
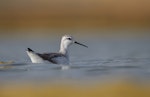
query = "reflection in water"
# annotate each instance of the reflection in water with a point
(79, 70)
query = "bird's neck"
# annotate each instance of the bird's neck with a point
(64, 49)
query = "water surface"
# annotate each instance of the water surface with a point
(103, 58)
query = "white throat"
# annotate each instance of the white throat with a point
(64, 49)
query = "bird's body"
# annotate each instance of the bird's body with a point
(62, 57)
(56, 58)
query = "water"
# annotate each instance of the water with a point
(108, 68)
(104, 59)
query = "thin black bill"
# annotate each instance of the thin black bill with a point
(81, 44)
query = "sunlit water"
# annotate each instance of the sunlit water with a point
(102, 60)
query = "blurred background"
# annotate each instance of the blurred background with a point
(71, 16)
(117, 62)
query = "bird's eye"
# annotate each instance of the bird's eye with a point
(69, 39)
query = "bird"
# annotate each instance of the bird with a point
(61, 57)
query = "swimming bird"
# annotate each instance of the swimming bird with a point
(61, 57)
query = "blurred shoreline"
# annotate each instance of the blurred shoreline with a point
(74, 89)
(89, 33)
(15, 14)
(98, 18)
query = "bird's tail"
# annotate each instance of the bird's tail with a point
(30, 50)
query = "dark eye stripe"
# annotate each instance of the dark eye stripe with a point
(69, 39)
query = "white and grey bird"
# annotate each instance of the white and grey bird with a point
(62, 57)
